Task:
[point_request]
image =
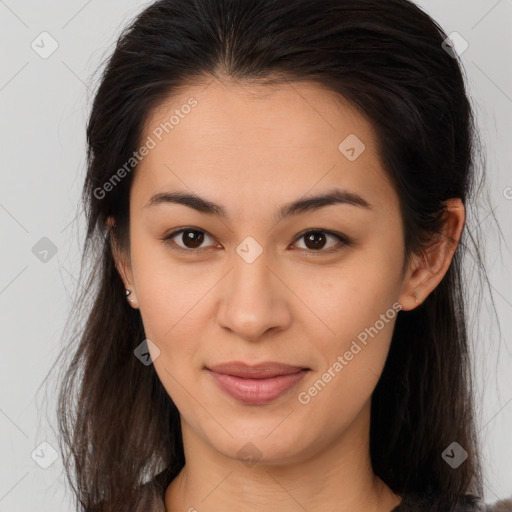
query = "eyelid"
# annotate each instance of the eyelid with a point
(342, 239)
(176, 247)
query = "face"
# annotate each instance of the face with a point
(255, 271)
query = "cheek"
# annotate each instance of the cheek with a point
(352, 296)
(362, 313)
(162, 293)
(173, 317)
(166, 288)
(357, 301)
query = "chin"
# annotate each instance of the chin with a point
(261, 443)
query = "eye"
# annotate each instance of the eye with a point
(190, 238)
(315, 240)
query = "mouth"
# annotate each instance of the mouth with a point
(257, 384)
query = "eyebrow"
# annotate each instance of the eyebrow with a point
(302, 205)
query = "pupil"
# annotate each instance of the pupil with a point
(313, 237)
(195, 238)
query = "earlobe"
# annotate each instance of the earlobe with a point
(411, 295)
(122, 264)
(132, 299)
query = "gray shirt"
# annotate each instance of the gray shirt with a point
(154, 494)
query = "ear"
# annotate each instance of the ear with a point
(122, 262)
(426, 270)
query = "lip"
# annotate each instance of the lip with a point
(256, 384)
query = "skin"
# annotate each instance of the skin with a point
(251, 149)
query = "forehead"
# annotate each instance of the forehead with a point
(223, 137)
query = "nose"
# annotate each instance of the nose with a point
(253, 300)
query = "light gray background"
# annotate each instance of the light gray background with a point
(43, 107)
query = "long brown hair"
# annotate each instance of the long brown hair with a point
(118, 426)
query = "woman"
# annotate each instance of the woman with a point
(276, 199)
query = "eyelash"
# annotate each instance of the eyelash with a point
(344, 240)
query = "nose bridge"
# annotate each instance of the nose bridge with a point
(252, 302)
(251, 274)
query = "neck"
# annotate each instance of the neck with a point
(339, 477)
